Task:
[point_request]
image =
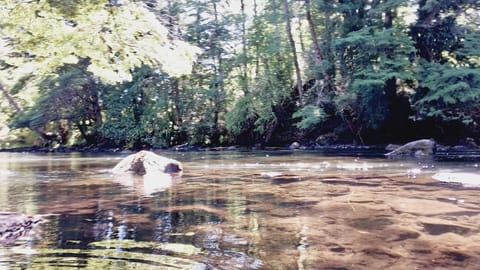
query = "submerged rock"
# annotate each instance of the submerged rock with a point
(418, 148)
(146, 162)
(15, 225)
(466, 178)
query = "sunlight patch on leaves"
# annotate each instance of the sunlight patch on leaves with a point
(115, 39)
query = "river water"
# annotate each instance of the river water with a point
(243, 210)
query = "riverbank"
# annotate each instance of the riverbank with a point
(442, 153)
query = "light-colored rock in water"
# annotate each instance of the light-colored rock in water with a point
(294, 145)
(392, 147)
(465, 178)
(423, 207)
(418, 148)
(146, 162)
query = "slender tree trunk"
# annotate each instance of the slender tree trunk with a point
(176, 101)
(97, 112)
(313, 33)
(257, 53)
(10, 99)
(45, 136)
(300, 36)
(388, 20)
(327, 36)
(294, 51)
(218, 85)
(173, 20)
(318, 54)
(244, 49)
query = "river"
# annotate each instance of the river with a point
(243, 210)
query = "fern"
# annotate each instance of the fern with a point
(310, 116)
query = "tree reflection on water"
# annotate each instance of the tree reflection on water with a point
(252, 211)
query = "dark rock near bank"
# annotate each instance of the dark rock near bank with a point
(186, 147)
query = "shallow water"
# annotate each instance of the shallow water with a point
(242, 210)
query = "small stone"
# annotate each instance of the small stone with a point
(294, 145)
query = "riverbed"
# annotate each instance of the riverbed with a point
(243, 210)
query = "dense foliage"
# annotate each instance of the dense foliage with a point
(214, 72)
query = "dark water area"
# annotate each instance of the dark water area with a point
(243, 210)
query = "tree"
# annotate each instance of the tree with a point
(290, 70)
(103, 33)
(244, 55)
(113, 37)
(318, 55)
(372, 62)
(211, 29)
(436, 30)
(298, 72)
(448, 66)
(259, 116)
(68, 98)
(140, 113)
(452, 93)
(374, 54)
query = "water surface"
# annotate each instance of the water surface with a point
(242, 210)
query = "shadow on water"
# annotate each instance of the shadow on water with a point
(241, 210)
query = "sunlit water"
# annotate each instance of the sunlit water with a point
(243, 210)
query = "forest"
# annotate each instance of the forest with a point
(159, 73)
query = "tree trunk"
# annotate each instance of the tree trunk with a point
(10, 99)
(218, 85)
(244, 80)
(172, 19)
(176, 101)
(388, 20)
(318, 55)
(257, 54)
(313, 33)
(300, 36)
(294, 51)
(42, 134)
